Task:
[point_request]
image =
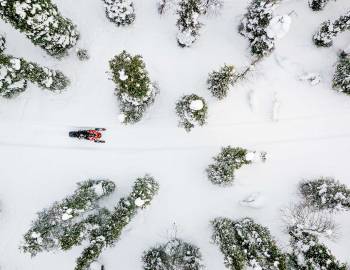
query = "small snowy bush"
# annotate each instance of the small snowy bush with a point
(187, 23)
(309, 254)
(245, 243)
(317, 5)
(254, 26)
(83, 54)
(108, 227)
(15, 72)
(42, 23)
(120, 12)
(134, 89)
(212, 6)
(341, 78)
(329, 30)
(325, 193)
(50, 230)
(175, 254)
(219, 81)
(2, 43)
(230, 159)
(192, 111)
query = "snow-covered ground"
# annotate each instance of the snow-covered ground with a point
(309, 137)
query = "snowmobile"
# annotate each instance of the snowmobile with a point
(88, 134)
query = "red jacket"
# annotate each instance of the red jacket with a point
(94, 135)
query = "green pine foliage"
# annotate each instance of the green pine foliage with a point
(187, 23)
(42, 23)
(325, 193)
(317, 5)
(219, 81)
(230, 159)
(108, 228)
(120, 12)
(175, 254)
(341, 78)
(192, 111)
(58, 227)
(309, 254)
(245, 243)
(329, 30)
(254, 25)
(134, 89)
(15, 72)
(83, 54)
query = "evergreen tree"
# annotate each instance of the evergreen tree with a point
(230, 159)
(187, 23)
(317, 5)
(134, 89)
(57, 227)
(219, 81)
(175, 254)
(245, 243)
(192, 111)
(309, 254)
(254, 26)
(341, 78)
(120, 12)
(108, 227)
(42, 23)
(329, 30)
(15, 72)
(325, 193)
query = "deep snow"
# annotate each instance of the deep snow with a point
(40, 164)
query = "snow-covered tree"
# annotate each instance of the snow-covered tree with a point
(108, 226)
(50, 230)
(15, 72)
(309, 254)
(2, 43)
(341, 78)
(175, 254)
(230, 159)
(42, 23)
(188, 23)
(245, 243)
(120, 12)
(254, 26)
(192, 111)
(134, 89)
(325, 193)
(219, 81)
(317, 5)
(329, 30)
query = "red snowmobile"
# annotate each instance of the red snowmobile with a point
(94, 135)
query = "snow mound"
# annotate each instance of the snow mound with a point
(196, 105)
(279, 26)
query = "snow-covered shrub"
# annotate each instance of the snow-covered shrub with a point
(312, 220)
(108, 227)
(175, 254)
(341, 78)
(187, 23)
(230, 159)
(329, 30)
(317, 5)
(325, 193)
(120, 12)
(49, 231)
(254, 26)
(219, 81)
(212, 6)
(15, 72)
(192, 111)
(83, 54)
(134, 89)
(309, 254)
(42, 23)
(2, 43)
(245, 243)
